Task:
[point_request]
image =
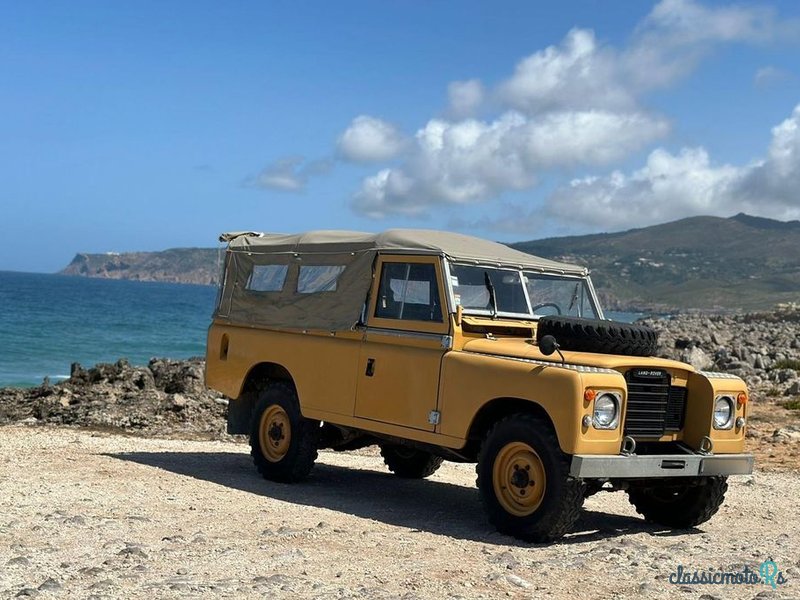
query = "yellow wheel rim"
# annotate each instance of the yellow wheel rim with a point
(274, 433)
(518, 478)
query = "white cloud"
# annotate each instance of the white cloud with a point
(773, 185)
(672, 186)
(465, 98)
(572, 104)
(369, 139)
(289, 174)
(582, 73)
(769, 75)
(471, 160)
(683, 22)
(578, 74)
(667, 187)
(677, 34)
(588, 137)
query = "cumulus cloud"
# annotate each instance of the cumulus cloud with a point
(678, 22)
(465, 98)
(577, 103)
(369, 139)
(773, 183)
(471, 160)
(670, 186)
(582, 73)
(288, 174)
(667, 186)
(577, 74)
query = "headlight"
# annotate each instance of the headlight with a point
(723, 412)
(606, 411)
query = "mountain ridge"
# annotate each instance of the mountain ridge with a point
(704, 263)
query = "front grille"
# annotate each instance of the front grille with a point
(648, 392)
(654, 406)
(676, 408)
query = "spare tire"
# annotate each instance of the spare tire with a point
(603, 337)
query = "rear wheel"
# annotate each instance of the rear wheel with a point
(410, 463)
(679, 504)
(524, 480)
(283, 443)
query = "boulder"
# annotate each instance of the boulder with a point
(697, 358)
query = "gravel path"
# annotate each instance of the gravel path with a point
(87, 514)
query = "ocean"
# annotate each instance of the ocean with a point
(47, 322)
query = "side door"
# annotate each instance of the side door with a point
(405, 340)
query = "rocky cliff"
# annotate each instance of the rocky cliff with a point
(177, 265)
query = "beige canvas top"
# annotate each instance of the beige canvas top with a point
(455, 246)
(353, 255)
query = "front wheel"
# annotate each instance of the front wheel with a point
(524, 480)
(680, 504)
(283, 443)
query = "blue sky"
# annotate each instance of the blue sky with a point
(151, 125)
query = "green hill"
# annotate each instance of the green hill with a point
(705, 263)
(709, 263)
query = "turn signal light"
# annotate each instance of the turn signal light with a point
(741, 398)
(589, 395)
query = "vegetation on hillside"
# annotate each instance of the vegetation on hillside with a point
(705, 263)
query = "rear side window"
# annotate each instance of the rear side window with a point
(267, 278)
(318, 278)
(409, 292)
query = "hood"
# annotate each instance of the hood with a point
(520, 348)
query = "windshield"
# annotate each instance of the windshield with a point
(518, 293)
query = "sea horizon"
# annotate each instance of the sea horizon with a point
(49, 321)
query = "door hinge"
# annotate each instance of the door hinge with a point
(434, 417)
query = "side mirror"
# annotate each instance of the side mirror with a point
(548, 345)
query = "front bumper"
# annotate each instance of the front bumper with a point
(659, 465)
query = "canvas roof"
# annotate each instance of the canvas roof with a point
(455, 246)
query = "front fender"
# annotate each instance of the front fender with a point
(470, 381)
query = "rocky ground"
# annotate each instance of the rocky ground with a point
(95, 502)
(763, 349)
(167, 398)
(97, 515)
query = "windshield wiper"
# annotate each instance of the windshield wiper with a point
(574, 298)
(492, 295)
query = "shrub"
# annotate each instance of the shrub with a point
(787, 363)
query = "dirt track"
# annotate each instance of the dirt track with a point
(87, 514)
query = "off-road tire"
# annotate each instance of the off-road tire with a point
(563, 497)
(299, 458)
(603, 337)
(410, 463)
(682, 506)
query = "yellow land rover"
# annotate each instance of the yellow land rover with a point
(438, 346)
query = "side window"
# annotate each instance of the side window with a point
(409, 292)
(318, 278)
(267, 278)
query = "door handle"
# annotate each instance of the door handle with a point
(370, 367)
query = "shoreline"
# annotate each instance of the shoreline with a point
(169, 397)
